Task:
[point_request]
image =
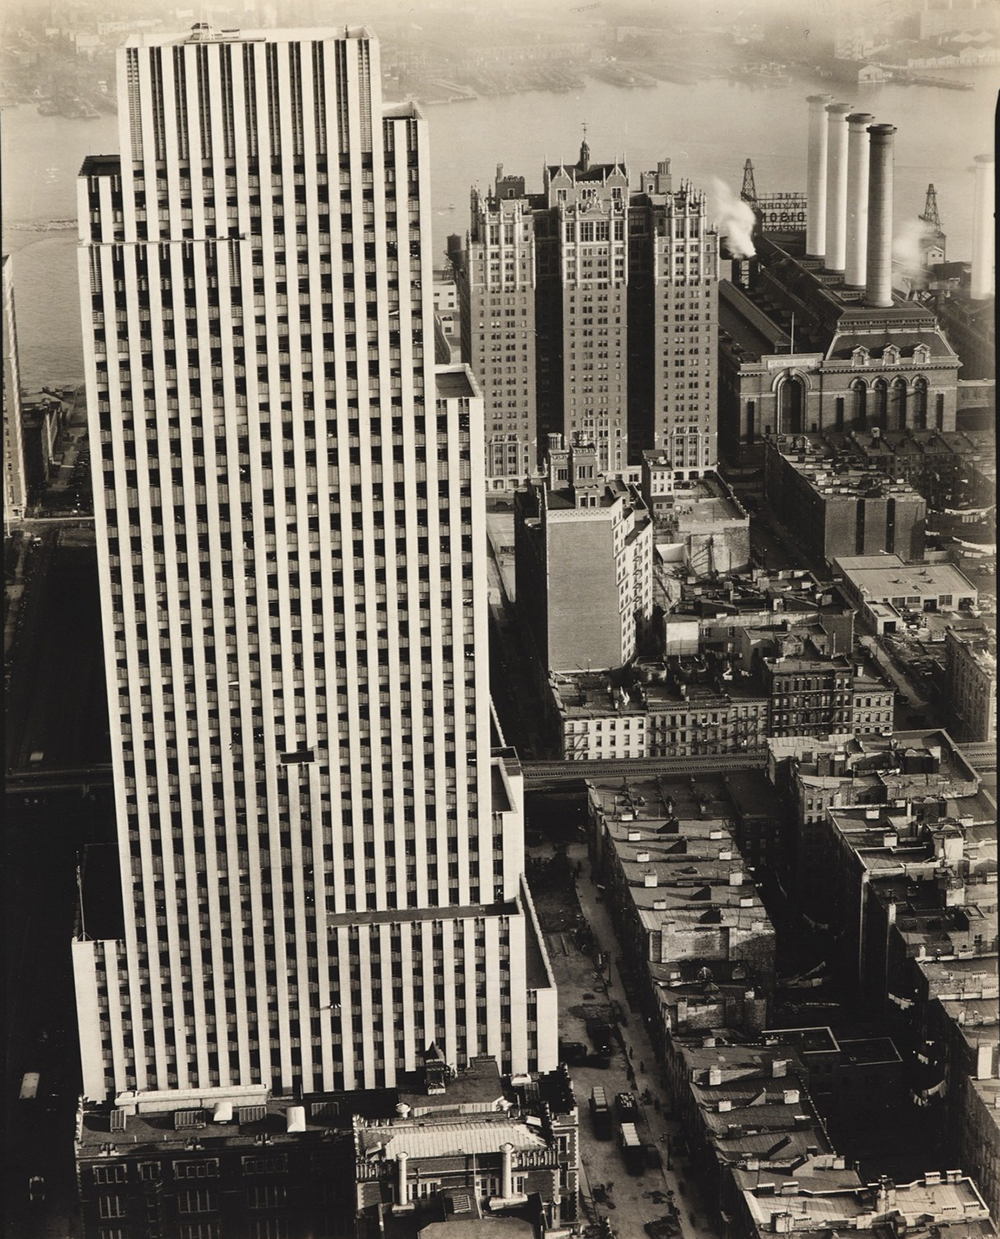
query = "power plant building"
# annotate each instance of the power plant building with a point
(813, 338)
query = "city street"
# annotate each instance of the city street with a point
(584, 993)
(916, 703)
(40, 901)
(56, 700)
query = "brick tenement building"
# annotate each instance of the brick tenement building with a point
(590, 310)
(595, 716)
(810, 696)
(871, 706)
(584, 564)
(971, 682)
(839, 510)
(678, 892)
(840, 364)
(911, 900)
(194, 1163)
(815, 774)
(945, 1204)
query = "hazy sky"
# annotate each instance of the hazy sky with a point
(819, 12)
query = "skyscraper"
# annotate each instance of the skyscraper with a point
(321, 865)
(673, 324)
(15, 482)
(590, 310)
(497, 289)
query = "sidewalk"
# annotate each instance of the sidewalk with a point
(637, 1199)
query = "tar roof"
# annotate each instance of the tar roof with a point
(454, 382)
(748, 327)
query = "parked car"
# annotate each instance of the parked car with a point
(601, 1036)
(574, 1053)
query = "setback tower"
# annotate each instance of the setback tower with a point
(321, 867)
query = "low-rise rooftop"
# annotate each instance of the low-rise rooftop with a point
(936, 1200)
(455, 382)
(447, 1138)
(882, 578)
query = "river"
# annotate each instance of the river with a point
(707, 130)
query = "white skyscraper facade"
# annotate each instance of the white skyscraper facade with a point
(321, 864)
(15, 482)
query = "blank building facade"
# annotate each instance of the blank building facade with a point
(321, 867)
(584, 556)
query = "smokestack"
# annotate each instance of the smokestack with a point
(982, 230)
(506, 1171)
(836, 186)
(402, 1187)
(816, 177)
(855, 264)
(878, 285)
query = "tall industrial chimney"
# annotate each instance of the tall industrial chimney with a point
(856, 249)
(982, 230)
(878, 285)
(816, 177)
(836, 186)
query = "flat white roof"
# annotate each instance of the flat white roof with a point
(217, 34)
(881, 577)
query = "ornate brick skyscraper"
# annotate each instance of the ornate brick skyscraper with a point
(321, 865)
(497, 287)
(590, 310)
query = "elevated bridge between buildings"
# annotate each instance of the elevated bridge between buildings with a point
(28, 783)
(547, 775)
(538, 775)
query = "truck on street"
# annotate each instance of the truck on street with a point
(600, 1112)
(631, 1147)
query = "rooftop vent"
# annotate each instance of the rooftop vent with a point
(185, 1119)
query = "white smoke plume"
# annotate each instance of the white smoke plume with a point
(736, 219)
(907, 252)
